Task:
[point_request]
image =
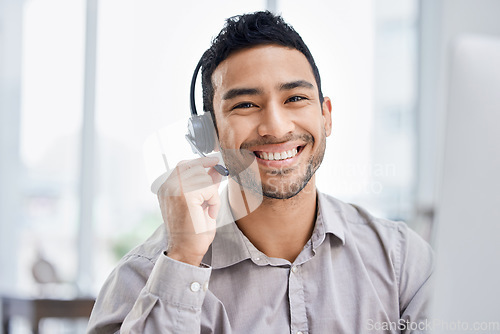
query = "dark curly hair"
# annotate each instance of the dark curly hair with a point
(245, 31)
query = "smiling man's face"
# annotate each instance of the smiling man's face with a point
(267, 107)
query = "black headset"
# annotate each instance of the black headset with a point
(201, 133)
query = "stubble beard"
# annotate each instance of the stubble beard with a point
(281, 183)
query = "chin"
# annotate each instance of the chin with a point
(286, 190)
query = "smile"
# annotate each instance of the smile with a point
(276, 156)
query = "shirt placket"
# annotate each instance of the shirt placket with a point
(298, 316)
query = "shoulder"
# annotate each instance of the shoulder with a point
(131, 273)
(382, 239)
(360, 223)
(151, 248)
(124, 284)
(141, 259)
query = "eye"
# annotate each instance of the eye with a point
(296, 99)
(244, 105)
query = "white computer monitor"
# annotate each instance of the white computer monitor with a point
(467, 239)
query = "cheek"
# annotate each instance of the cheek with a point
(235, 130)
(309, 120)
(314, 127)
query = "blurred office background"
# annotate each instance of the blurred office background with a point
(84, 83)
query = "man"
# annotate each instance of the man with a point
(300, 262)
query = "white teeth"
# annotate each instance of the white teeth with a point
(278, 155)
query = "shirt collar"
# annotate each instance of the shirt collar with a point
(230, 246)
(330, 219)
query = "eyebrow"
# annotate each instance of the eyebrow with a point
(295, 84)
(235, 92)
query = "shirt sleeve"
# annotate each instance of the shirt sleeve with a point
(416, 268)
(142, 297)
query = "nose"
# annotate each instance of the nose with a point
(275, 121)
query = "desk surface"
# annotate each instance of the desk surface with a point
(34, 309)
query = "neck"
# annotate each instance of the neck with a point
(277, 227)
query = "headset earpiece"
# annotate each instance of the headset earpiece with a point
(201, 132)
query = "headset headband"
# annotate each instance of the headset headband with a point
(193, 85)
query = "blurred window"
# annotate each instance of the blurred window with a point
(51, 109)
(146, 52)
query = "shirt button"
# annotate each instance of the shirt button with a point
(294, 270)
(205, 286)
(195, 286)
(299, 332)
(257, 259)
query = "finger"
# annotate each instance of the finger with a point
(203, 208)
(209, 161)
(206, 162)
(207, 195)
(206, 199)
(213, 210)
(188, 180)
(193, 171)
(214, 202)
(211, 222)
(197, 182)
(216, 177)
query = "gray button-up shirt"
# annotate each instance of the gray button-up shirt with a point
(357, 274)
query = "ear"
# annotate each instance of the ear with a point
(327, 115)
